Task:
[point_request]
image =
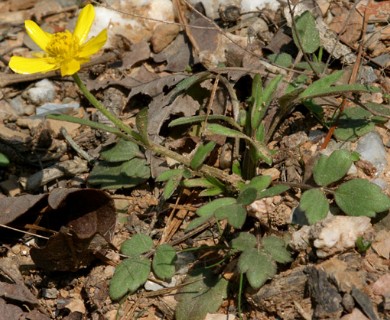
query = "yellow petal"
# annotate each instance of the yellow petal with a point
(70, 67)
(30, 65)
(94, 44)
(40, 37)
(84, 23)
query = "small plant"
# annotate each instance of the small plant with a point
(232, 191)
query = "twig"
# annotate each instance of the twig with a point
(75, 146)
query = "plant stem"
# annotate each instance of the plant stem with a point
(109, 115)
(231, 180)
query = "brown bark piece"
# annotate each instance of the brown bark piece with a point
(325, 298)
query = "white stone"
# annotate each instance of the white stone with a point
(43, 91)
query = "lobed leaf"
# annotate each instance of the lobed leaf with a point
(129, 275)
(276, 247)
(244, 241)
(359, 197)
(315, 205)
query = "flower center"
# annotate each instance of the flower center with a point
(63, 45)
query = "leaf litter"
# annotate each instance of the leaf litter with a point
(172, 69)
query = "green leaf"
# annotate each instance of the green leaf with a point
(208, 209)
(211, 192)
(273, 191)
(329, 169)
(197, 222)
(315, 205)
(247, 196)
(259, 183)
(336, 90)
(204, 294)
(257, 267)
(281, 59)
(164, 262)
(234, 213)
(216, 128)
(170, 174)
(276, 247)
(196, 119)
(137, 245)
(4, 161)
(324, 82)
(129, 275)
(201, 155)
(359, 197)
(244, 241)
(377, 108)
(136, 168)
(198, 183)
(141, 122)
(306, 30)
(123, 150)
(170, 187)
(119, 175)
(353, 123)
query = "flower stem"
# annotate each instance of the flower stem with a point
(109, 115)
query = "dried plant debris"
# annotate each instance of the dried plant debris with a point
(80, 222)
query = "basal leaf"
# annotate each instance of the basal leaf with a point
(208, 209)
(201, 118)
(306, 31)
(329, 169)
(198, 183)
(137, 245)
(204, 294)
(129, 275)
(276, 247)
(215, 128)
(169, 174)
(359, 197)
(244, 241)
(201, 155)
(324, 82)
(164, 262)
(257, 266)
(123, 150)
(136, 168)
(315, 205)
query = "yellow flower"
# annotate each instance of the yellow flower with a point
(62, 50)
